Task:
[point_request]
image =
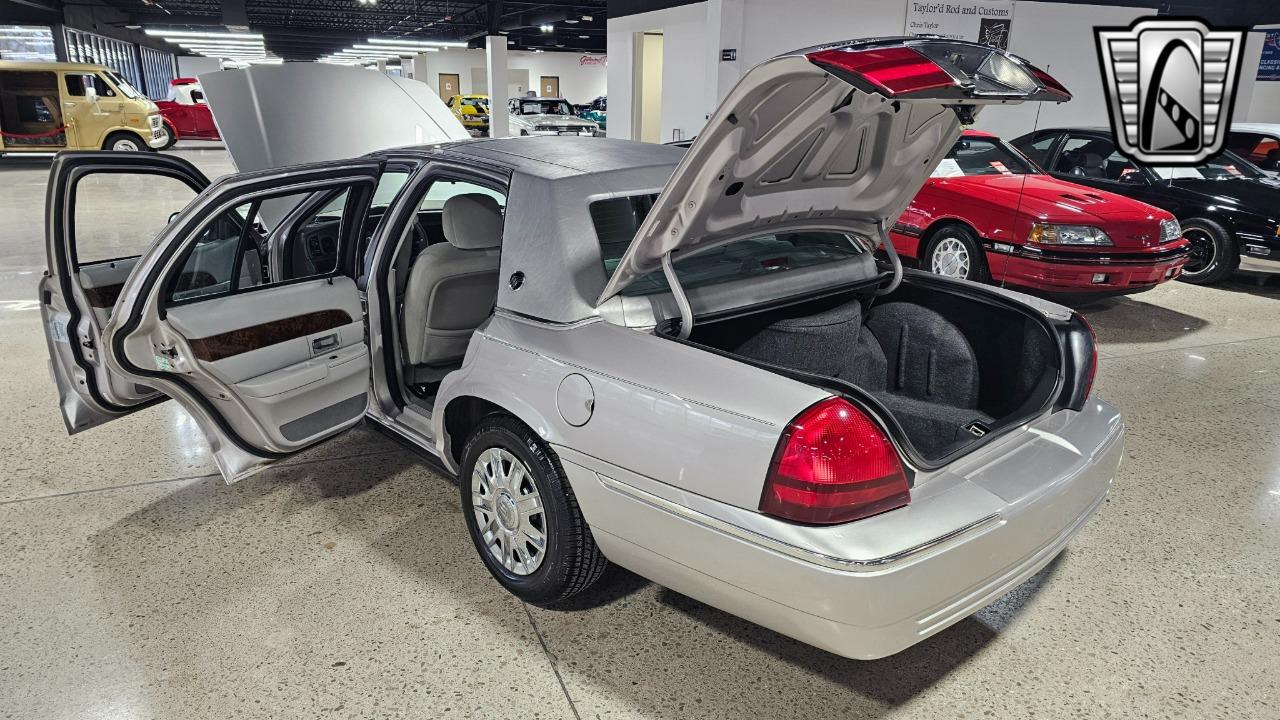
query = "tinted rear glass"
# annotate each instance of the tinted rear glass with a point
(616, 221)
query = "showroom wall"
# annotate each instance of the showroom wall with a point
(582, 77)
(686, 54)
(1056, 36)
(1257, 101)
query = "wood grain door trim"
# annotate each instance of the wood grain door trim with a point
(103, 297)
(234, 342)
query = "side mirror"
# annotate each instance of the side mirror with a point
(1133, 177)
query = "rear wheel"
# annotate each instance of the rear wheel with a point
(953, 251)
(1213, 253)
(522, 515)
(124, 142)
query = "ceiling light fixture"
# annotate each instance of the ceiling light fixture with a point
(179, 34)
(408, 49)
(410, 42)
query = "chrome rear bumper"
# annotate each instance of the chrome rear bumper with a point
(874, 587)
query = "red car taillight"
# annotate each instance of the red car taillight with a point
(893, 70)
(1093, 356)
(834, 464)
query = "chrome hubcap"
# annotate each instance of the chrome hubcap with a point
(125, 146)
(951, 258)
(508, 511)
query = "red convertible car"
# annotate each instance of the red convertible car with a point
(989, 214)
(186, 114)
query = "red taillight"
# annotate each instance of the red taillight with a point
(892, 70)
(1050, 83)
(834, 464)
(1093, 357)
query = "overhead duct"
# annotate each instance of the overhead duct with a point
(534, 19)
(234, 15)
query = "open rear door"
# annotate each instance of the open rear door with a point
(102, 211)
(268, 358)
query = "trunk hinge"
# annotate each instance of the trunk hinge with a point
(682, 302)
(882, 229)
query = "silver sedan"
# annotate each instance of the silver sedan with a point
(688, 363)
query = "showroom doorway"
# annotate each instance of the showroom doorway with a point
(449, 84)
(647, 119)
(549, 86)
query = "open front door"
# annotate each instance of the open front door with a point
(268, 357)
(102, 211)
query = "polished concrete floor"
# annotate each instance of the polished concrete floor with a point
(341, 583)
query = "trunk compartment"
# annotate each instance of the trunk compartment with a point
(946, 368)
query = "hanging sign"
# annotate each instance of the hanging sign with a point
(1269, 63)
(986, 21)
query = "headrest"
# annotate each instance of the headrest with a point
(472, 221)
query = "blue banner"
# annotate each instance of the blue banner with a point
(1269, 64)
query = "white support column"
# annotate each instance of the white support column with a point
(496, 74)
(420, 69)
(382, 66)
(724, 20)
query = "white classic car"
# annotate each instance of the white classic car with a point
(688, 363)
(547, 116)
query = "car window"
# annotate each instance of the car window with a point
(389, 186)
(76, 83)
(441, 190)
(1262, 150)
(105, 227)
(1097, 158)
(221, 258)
(1038, 150)
(230, 254)
(124, 85)
(1224, 166)
(617, 219)
(545, 107)
(983, 156)
(32, 109)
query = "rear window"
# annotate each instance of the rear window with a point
(983, 156)
(616, 221)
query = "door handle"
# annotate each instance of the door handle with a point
(324, 343)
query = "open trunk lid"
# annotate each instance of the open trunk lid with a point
(837, 137)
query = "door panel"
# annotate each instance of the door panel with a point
(284, 364)
(99, 208)
(266, 363)
(549, 86)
